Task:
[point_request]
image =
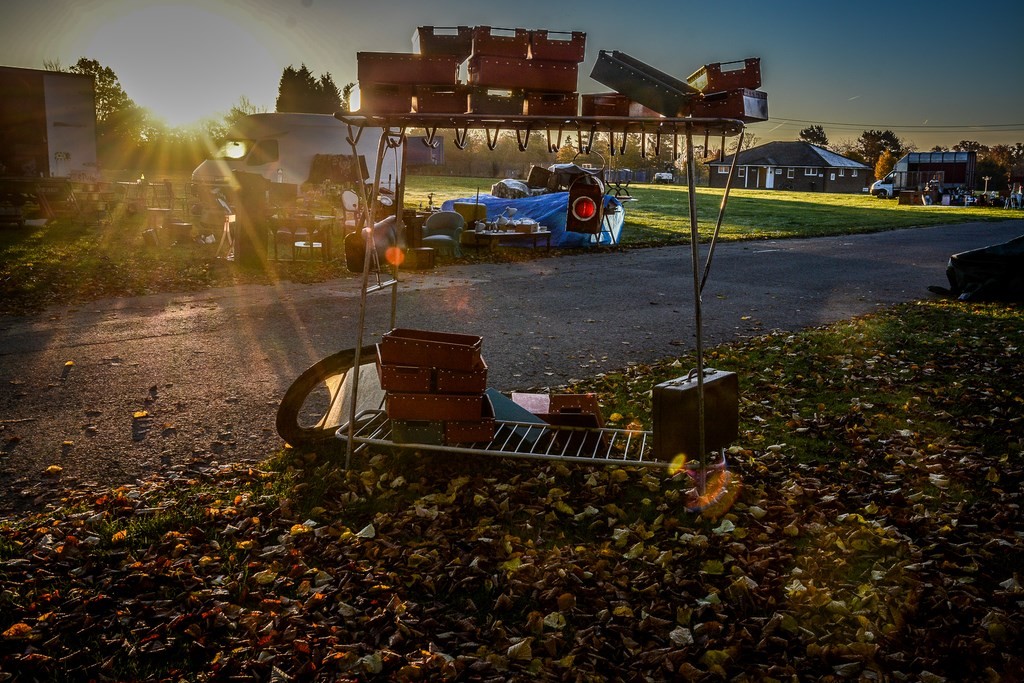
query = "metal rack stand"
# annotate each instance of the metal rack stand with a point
(517, 439)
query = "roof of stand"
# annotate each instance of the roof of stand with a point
(600, 124)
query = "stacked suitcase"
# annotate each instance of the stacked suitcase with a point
(435, 384)
(511, 72)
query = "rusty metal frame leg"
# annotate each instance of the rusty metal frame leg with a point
(697, 312)
(369, 253)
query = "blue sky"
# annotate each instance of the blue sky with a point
(933, 72)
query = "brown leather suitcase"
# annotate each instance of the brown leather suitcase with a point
(675, 415)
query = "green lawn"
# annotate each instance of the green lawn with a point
(660, 213)
(67, 261)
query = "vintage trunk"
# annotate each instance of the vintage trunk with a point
(444, 40)
(526, 74)
(743, 104)
(571, 48)
(721, 76)
(448, 381)
(613, 104)
(403, 346)
(407, 69)
(444, 407)
(496, 101)
(442, 99)
(552, 104)
(376, 98)
(501, 42)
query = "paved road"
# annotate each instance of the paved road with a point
(209, 368)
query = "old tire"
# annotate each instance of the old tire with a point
(301, 425)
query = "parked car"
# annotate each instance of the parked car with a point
(664, 177)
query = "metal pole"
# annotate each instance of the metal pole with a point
(698, 319)
(368, 252)
(721, 212)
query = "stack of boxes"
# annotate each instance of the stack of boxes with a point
(730, 90)
(719, 90)
(511, 72)
(528, 72)
(435, 384)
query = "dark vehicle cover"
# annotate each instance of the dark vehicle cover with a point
(994, 273)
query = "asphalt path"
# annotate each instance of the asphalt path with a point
(118, 389)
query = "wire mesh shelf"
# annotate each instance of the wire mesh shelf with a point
(527, 440)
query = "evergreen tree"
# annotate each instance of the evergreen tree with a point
(814, 135)
(300, 91)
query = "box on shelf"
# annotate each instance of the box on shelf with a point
(744, 73)
(442, 99)
(675, 415)
(501, 42)
(552, 104)
(526, 74)
(404, 346)
(643, 83)
(429, 432)
(444, 40)
(558, 46)
(743, 104)
(442, 407)
(471, 431)
(496, 101)
(406, 68)
(385, 98)
(448, 381)
(613, 104)
(404, 378)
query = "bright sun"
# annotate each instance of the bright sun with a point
(185, 62)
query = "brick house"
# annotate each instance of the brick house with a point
(798, 166)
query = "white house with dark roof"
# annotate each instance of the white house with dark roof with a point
(798, 166)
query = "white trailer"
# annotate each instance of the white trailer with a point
(47, 124)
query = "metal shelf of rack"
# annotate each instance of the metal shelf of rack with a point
(606, 446)
(528, 440)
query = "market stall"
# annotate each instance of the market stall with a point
(373, 427)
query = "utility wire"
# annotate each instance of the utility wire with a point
(996, 127)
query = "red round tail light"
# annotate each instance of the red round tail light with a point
(584, 208)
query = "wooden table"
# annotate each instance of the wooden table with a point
(492, 238)
(302, 231)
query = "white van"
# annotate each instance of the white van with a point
(281, 147)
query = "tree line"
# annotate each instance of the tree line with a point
(130, 137)
(881, 149)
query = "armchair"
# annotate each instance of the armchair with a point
(443, 232)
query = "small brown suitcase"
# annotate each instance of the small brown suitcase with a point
(675, 415)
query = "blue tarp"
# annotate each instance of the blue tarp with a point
(549, 210)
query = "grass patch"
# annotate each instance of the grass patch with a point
(67, 261)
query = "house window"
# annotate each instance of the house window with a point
(790, 172)
(853, 174)
(723, 169)
(810, 171)
(842, 173)
(778, 171)
(741, 172)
